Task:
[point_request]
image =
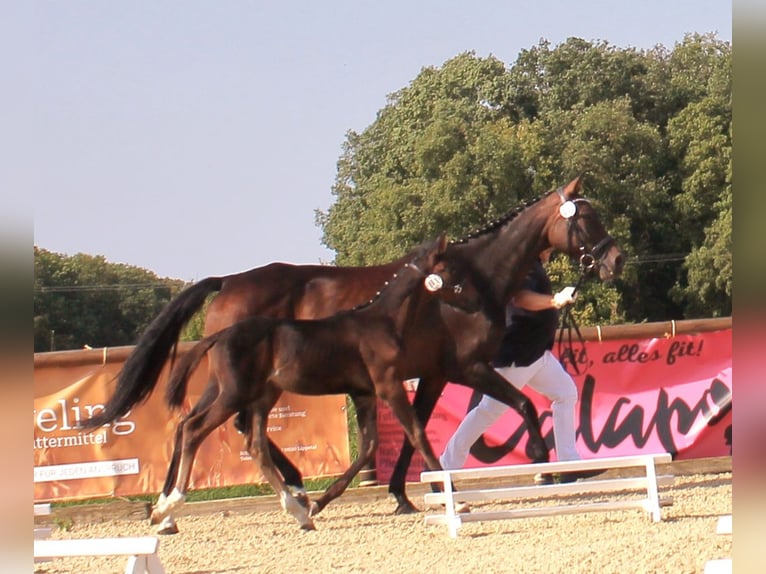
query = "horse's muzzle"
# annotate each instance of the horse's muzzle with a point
(611, 264)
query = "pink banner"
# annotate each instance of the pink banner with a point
(655, 395)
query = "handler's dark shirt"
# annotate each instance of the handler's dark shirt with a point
(528, 334)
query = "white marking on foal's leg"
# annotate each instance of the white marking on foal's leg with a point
(301, 514)
(175, 500)
(165, 504)
(160, 509)
(161, 512)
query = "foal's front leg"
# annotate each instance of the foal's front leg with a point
(167, 523)
(194, 430)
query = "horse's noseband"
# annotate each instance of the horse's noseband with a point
(593, 258)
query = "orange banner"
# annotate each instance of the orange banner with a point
(131, 455)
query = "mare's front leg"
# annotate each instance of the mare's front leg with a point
(485, 379)
(366, 420)
(426, 395)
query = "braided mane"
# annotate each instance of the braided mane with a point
(493, 225)
(378, 293)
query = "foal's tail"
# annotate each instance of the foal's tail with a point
(183, 369)
(142, 369)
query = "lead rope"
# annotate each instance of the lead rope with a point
(568, 326)
(568, 322)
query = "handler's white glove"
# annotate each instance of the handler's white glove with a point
(564, 297)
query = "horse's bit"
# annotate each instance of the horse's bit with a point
(588, 260)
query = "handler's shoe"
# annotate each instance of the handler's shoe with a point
(543, 478)
(578, 474)
(460, 507)
(565, 477)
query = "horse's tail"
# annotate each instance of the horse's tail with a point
(141, 371)
(182, 370)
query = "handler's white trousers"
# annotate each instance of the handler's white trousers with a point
(547, 377)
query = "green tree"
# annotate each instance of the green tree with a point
(85, 300)
(438, 158)
(700, 143)
(468, 141)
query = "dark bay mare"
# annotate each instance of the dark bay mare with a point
(444, 343)
(354, 352)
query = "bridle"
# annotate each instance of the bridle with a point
(588, 261)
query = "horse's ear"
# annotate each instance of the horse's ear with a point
(574, 187)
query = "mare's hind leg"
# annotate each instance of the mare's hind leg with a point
(426, 395)
(194, 430)
(290, 473)
(243, 422)
(366, 419)
(260, 451)
(293, 477)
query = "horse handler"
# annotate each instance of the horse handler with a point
(525, 358)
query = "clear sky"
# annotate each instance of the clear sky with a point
(197, 138)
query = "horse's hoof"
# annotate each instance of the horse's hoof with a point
(168, 529)
(167, 526)
(406, 509)
(308, 526)
(156, 517)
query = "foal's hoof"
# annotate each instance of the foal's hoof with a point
(462, 507)
(307, 526)
(156, 517)
(173, 529)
